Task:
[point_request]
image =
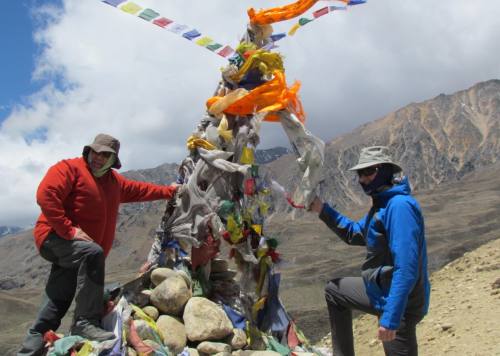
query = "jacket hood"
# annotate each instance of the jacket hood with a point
(400, 188)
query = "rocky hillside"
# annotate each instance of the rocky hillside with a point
(462, 319)
(436, 141)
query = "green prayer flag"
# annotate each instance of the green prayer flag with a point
(303, 21)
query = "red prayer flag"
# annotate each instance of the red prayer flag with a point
(226, 51)
(162, 22)
(320, 12)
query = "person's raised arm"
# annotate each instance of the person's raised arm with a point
(351, 232)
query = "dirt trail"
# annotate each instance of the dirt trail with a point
(464, 312)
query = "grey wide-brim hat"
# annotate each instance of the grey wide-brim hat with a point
(371, 156)
(104, 143)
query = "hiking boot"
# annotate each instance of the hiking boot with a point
(91, 332)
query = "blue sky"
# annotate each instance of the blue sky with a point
(18, 54)
(94, 68)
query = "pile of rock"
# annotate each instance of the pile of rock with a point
(195, 324)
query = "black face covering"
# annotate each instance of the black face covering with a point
(383, 178)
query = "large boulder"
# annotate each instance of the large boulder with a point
(171, 295)
(173, 331)
(210, 348)
(160, 274)
(205, 320)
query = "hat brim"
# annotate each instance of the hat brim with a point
(371, 164)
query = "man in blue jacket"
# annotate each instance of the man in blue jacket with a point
(394, 284)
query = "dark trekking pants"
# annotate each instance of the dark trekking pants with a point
(343, 295)
(77, 266)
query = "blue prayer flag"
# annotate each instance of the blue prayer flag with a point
(114, 3)
(277, 36)
(190, 35)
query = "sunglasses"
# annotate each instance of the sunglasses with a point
(368, 171)
(104, 154)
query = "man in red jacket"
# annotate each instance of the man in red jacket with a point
(79, 199)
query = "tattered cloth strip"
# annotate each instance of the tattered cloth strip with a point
(310, 152)
(281, 13)
(269, 97)
(275, 186)
(184, 31)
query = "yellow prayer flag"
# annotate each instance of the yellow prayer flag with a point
(294, 29)
(131, 8)
(257, 228)
(204, 41)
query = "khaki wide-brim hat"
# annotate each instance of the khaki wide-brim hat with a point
(104, 143)
(371, 156)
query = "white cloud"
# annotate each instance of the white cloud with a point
(112, 72)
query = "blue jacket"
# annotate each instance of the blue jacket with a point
(395, 269)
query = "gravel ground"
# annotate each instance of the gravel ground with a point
(464, 312)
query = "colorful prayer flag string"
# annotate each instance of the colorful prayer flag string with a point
(226, 51)
(184, 31)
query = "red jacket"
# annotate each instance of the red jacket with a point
(70, 196)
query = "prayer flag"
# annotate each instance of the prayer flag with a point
(148, 14)
(333, 8)
(190, 35)
(114, 3)
(356, 2)
(277, 36)
(294, 29)
(131, 8)
(320, 12)
(177, 28)
(214, 46)
(162, 22)
(226, 51)
(204, 41)
(303, 21)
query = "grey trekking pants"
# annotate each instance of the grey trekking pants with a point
(343, 295)
(77, 267)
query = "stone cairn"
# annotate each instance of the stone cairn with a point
(192, 302)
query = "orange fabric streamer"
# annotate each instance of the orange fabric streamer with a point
(270, 97)
(281, 13)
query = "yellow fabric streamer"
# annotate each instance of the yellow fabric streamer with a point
(86, 349)
(271, 96)
(245, 47)
(267, 62)
(223, 131)
(218, 104)
(258, 305)
(234, 229)
(194, 142)
(281, 13)
(247, 156)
